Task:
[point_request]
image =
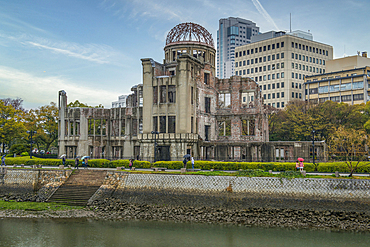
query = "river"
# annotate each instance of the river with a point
(87, 232)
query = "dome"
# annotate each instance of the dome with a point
(189, 32)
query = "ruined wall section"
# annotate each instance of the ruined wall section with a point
(99, 132)
(206, 104)
(238, 112)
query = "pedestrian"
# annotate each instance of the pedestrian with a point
(64, 160)
(301, 165)
(185, 161)
(85, 163)
(192, 163)
(297, 165)
(3, 160)
(130, 165)
(76, 162)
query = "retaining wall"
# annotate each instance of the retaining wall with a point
(197, 190)
(237, 192)
(22, 181)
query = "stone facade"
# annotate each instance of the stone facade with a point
(180, 108)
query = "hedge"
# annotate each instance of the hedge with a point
(101, 163)
(329, 167)
(274, 166)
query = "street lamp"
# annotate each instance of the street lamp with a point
(313, 146)
(155, 133)
(31, 142)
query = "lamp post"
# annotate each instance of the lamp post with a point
(31, 142)
(313, 146)
(155, 133)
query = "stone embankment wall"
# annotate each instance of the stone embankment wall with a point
(26, 181)
(236, 192)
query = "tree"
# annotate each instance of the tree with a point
(299, 118)
(44, 121)
(11, 124)
(77, 103)
(352, 144)
(16, 103)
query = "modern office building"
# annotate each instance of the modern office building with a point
(232, 32)
(347, 81)
(280, 61)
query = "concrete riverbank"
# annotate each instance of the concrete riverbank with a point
(338, 204)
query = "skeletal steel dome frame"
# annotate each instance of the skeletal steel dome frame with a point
(189, 32)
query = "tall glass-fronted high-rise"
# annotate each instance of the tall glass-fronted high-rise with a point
(232, 32)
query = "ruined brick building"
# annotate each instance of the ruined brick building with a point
(180, 108)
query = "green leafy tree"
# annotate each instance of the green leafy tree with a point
(11, 124)
(351, 144)
(44, 121)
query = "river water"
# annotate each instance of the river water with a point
(87, 232)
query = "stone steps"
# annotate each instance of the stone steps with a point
(79, 187)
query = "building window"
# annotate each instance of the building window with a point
(277, 95)
(155, 95)
(192, 95)
(248, 127)
(206, 78)
(155, 123)
(171, 124)
(207, 105)
(282, 95)
(162, 124)
(224, 128)
(282, 44)
(163, 94)
(224, 100)
(171, 94)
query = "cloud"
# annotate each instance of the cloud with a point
(92, 53)
(101, 54)
(37, 91)
(264, 13)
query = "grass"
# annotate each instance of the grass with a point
(35, 206)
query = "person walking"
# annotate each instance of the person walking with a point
(131, 163)
(76, 162)
(297, 165)
(85, 163)
(192, 163)
(185, 161)
(3, 160)
(301, 165)
(64, 160)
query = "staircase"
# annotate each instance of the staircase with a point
(79, 187)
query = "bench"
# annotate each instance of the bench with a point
(159, 169)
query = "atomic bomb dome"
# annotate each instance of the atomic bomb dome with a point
(189, 33)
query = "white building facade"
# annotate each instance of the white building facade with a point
(279, 62)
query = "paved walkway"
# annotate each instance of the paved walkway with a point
(174, 170)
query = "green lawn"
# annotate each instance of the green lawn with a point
(35, 206)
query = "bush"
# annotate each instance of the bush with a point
(18, 149)
(25, 154)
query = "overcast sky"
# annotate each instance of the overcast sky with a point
(92, 48)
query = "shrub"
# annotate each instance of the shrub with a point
(18, 149)
(25, 154)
